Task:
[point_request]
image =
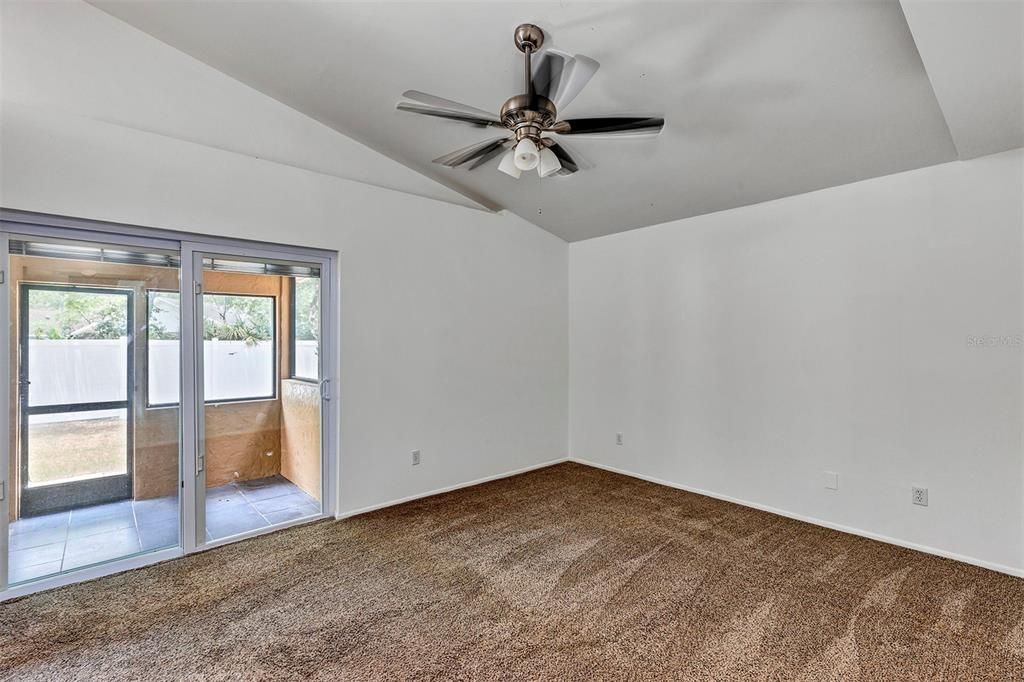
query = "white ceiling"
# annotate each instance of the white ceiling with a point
(761, 100)
(974, 57)
(71, 59)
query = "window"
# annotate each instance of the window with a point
(239, 347)
(162, 362)
(305, 329)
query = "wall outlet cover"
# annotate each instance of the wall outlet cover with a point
(415, 457)
(919, 496)
(831, 480)
(618, 439)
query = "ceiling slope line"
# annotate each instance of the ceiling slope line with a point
(973, 57)
(50, 111)
(931, 82)
(483, 203)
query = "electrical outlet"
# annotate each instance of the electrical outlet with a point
(831, 480)
(618, 439)
(919, 496)
(415, 457)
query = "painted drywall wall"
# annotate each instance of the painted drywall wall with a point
(453, 320)
(873, 330)
(86, 62)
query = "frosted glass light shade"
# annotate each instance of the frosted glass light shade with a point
(527, 157)
(549, 163)
(508, 165)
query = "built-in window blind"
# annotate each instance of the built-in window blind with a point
(152, 257)
(88, 252)
(261, 268)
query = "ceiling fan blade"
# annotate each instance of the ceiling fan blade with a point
(580, 71)
(569, 165)
(461, 156)
(549, 71)
(450, 105)
(486, 156)
(447, 113)
(609, 124)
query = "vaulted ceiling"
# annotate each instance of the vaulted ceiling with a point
(761, 100)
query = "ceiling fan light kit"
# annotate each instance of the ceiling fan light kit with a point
(508, 165)
(527, 155)
(549, 163)
(551, 85)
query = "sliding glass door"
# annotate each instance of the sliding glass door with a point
(95, 470)
(164, 396)
(260, 455)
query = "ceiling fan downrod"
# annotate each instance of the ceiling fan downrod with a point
(527, 115)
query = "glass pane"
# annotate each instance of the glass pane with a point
(94, 472)
(263, 458)
(306, 321)
(70, 446)
(164, 359)
(238, 346)
(78, 341)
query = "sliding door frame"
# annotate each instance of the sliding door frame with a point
(193, 253)
(5, 406)
(26, 226)
(191, 246)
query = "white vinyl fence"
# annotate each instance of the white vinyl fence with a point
(307, 359)
(85, 371)
(231, 370)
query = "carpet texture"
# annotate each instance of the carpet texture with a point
(567, 573)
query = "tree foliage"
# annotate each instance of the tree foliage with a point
(61, 315)
(65, 315)
(164, 316)
(307, 309)
(226, 317)
(238, 318)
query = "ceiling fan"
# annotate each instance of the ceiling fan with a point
(551, 86)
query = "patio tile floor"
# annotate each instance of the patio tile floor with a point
(45, 545)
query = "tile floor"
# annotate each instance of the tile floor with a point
(238, 507)
(44, 545)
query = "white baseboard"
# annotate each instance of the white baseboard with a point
(468, 484)
(1000, 568)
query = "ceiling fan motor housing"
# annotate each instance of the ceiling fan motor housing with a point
(527, 115)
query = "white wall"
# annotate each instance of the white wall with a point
(453, 320)
(746, 352)
(65, 56)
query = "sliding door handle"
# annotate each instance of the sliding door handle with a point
(200, 404)
(325, 392)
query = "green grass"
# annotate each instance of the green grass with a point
(90, 447)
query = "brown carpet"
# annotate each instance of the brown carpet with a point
(568, 573)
